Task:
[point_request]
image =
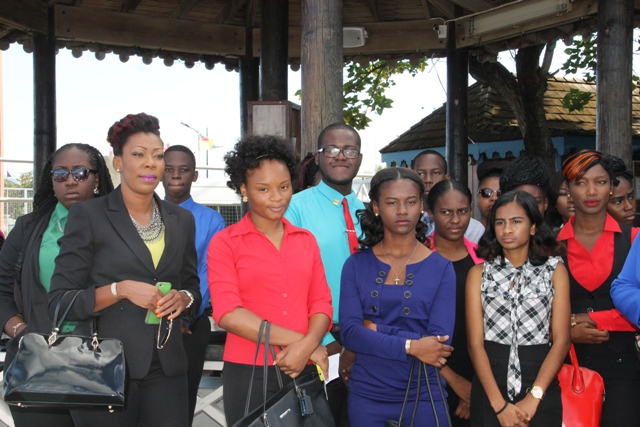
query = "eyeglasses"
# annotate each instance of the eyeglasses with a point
(487, 193)
(161, 340)
(61, 175)
(333, 152)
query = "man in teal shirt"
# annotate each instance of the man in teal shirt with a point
(320, 210)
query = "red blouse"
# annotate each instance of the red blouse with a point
(286, 287)
(591, 269)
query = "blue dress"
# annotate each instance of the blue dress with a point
(424, 305)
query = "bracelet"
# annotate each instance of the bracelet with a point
(407, 346)
(15, 328)
(190, 297)
(503, 408)
(114, 290)
(573, 320)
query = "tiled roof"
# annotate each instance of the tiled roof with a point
(491, 120)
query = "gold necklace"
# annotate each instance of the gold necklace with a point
(397, 279)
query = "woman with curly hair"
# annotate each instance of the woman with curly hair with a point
(74, 173)
(397, 306)
(114, 251)
(265, 268)
(513, 299)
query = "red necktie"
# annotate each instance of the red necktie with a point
(351, 230)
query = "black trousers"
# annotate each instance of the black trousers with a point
(338, 393)
(195, 345)
(153, 401)
(235, 380)
(49, 417)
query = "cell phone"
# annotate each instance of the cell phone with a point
(151, 318)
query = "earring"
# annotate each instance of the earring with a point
(611, 193)
(376, 214)
(245, 199)
(118, 170)
(422, 211)
(96, 191)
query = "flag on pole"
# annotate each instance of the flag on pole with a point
(12, 178)
(206, 143)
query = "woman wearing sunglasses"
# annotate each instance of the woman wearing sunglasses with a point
(488, 190)
(119, 252)
(74, 173)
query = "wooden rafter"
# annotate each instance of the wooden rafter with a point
(4, 31)
(183, 8)
(24, 14)
(231, 7)
(425, 7)
(473, 5)
(445, 7)
(76, 3)
(374, 7)
(250, 13)
(129, 6)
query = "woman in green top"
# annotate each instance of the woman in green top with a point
(74, 173)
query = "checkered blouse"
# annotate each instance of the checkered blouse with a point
(517, 307)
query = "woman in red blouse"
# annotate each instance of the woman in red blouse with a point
(597, 247)
(265, 268)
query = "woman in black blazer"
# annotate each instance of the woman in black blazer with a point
(74, 173)
(115, 262)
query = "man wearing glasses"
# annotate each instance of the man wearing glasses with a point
(328, 210)
(431, 166)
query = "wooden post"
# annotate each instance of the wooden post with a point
(457, 89)
(44, 98)
(274, 43)
(322, 63)
(613, 84)
(249, 81)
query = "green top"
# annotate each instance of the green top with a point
(49, 250)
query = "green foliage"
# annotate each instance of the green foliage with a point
(25, 178)
(576, 100)
(365, 86)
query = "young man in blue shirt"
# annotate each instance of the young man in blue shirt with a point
(179, 174)
(321, 210)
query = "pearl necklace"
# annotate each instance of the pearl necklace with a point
(154, 230)
(397, 279)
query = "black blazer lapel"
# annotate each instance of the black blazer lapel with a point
(121, 222)
(170, 219)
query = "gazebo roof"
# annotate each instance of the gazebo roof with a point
(213, 31)
(491, 120)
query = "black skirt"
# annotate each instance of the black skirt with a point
(549, 413)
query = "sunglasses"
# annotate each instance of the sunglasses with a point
(162, 338)
(487, 193)
(61, 175)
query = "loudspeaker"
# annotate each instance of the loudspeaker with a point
(353, 37)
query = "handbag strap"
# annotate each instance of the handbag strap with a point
(406, 393)
(255, 361)
(577, 381)
(444, 401)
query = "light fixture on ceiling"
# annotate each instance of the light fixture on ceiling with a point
(353, 37)
(513, 15)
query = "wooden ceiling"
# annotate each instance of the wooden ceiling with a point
(214, 31)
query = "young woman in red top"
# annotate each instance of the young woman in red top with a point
(597, 247)
(265, 268)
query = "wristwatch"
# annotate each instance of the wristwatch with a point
(536, 392)
(190, 295)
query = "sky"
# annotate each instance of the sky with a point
(93, 94)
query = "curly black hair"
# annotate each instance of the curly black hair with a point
(372, 227)
(525, 170)
(44, 201)
(541, 245)
(618, 168)
(251, 150)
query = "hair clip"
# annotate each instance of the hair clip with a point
(261, 156)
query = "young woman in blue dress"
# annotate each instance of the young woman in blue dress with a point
(397, 304)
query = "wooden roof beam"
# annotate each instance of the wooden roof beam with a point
(183, 8)
(473, 5)
(129, 6)
(25, 15)
(229, 11)
(113, 28)
(425, 7)
(445, 7)
(251, 11)
(374, 7)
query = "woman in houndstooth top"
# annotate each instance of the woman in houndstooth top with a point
(512, 300)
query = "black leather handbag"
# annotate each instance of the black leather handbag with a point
(302, 403)
(422, 367)
(66, 370)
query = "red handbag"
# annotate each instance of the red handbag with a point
(582, 394)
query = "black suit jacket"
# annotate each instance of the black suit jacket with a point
(101, 246)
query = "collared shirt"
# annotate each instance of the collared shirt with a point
(319, 210)
(49, 248)
(208, 223)
(285, 286)
(471, 248)
(591, 269)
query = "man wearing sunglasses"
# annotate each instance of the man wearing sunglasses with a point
(328, 210)
(179, 174)
(431, 166)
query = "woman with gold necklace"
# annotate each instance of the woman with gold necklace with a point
(113, 253)
(397, 304)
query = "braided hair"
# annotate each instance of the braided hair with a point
(44, 201)
(308, 171)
